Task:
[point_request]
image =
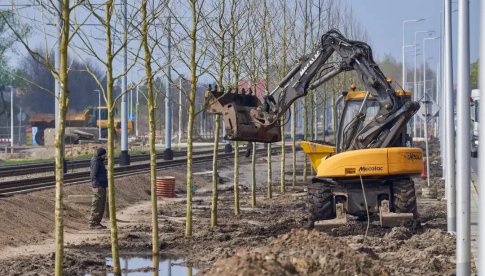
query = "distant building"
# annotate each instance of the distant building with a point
(260, 87)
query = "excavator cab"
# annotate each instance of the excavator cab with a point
(353, 103)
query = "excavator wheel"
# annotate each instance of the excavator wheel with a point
(404, 196)
(320, 203)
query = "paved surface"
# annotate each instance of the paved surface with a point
(474, 209)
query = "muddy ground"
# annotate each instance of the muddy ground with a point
(267, 240)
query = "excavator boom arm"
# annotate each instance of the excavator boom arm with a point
(312, 71)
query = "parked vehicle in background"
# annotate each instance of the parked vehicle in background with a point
(474, 104)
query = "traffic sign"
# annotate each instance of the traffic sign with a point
(428, 109)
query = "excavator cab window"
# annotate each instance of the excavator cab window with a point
(350, 110)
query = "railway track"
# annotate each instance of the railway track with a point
(42, 167)
(12, 187)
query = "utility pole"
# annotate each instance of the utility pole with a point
(136, 111)
(481, 150)
(426, 102)
(124, 157)
(179, 139)
(463, 252)
(449, 124)
(98, 121)
(442, 97)
(403, 49)
(168, 153)
(12, 89)
(20, 118)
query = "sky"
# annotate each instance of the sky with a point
(383, 21)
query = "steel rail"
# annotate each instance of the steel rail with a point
(42, 167)
(12, 187)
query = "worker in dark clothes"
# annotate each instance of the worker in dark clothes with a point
(99, 182)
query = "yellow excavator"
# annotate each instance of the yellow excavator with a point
(91, 117)
(368, 170)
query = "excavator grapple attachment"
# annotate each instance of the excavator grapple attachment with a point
(238, 111)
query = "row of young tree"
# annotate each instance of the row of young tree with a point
(223, 41)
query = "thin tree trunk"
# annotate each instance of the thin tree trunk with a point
(253, 171)
(283, 156)
(270, 177)
(305, 100)
(324, 117)
(151, 119)
(215, 179)
(215, 176)
(312, 116)
(283, 150)
(235, 69)
(293, 143)
(236, 179)
(266, 34)
(111, 137)
(305, 137)
(191, 115)
(333, 119)
(59, 141)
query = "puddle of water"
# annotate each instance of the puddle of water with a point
(143, 266)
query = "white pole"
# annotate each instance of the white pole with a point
(11, 118)
(125, 157)
(442, 97)
(437, 122)
(168, 153)
(463, 253)
(415, 94)
(20, 125)
(403, 49)
(99, 114)
(425, 102)
(179, 139)
(450, 124)
(481, 153)
(136, 111)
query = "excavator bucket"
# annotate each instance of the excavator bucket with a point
(237, 111)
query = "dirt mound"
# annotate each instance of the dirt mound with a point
(300, 252)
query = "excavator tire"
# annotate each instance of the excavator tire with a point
(404, 196)
(320, 203)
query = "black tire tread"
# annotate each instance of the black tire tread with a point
(404, 196)
(320, 203)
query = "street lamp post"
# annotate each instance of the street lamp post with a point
(403, 46)
(136, 110)
(415, 94)
(481, 153)
(99, 113)
(449, 122)
(11, 118)
(425, 94)
(463, 252)
(179, 139)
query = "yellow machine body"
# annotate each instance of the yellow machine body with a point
(361, 94)
(372, 162)
(316, 152)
